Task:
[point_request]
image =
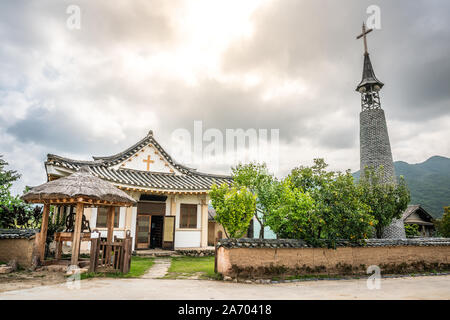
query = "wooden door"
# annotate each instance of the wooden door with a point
(169, 233)
(143, 231)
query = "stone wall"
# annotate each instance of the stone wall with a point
(375, 147)
(254, 258)
(375, 151)
(20, 250)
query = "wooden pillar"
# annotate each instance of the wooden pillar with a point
(76, 241)
(204, 225)
(110, 235)
(95, 246)
(43, 235)
(110, 223)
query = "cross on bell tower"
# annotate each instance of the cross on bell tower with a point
(370, 86)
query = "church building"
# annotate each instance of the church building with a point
(172, 207)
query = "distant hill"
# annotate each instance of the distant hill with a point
(429, 183)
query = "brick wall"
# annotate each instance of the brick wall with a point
(19, 249)
(267, 260)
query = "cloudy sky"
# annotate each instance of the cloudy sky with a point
(291, 65)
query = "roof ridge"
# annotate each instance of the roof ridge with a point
(51, 156)
(118, 155)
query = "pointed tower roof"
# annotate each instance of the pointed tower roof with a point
(368, 76)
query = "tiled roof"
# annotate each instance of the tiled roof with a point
(409, 210)
(189, 179)
(413, 208)
(211, 214)
(368, 77)
(17, 233)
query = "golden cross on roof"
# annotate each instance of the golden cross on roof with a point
(148, 161)
(363, 35)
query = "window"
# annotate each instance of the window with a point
(188, 216)
(102, 215)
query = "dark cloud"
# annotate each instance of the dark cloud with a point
(97, 90)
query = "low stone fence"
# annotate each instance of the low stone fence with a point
(196, 252)
(17, 245)
(255, 258)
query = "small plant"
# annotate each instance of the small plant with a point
(412, 230)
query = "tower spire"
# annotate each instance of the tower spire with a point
(369, 86)
(375, 148)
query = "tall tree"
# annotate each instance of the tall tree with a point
(387, 199)
(234, 207)
(262, 184)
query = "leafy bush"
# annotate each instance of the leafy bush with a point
(337, 211)
(412, 230)
(386, 199)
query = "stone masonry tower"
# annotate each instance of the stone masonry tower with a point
(375, 148)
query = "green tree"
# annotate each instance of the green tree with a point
(15, 213)
(262, 184)
(7, 176)
(234, 207)
(338, 212)
(387, 199)
(443, 225)
(294, 218)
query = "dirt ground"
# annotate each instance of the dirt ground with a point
(26, 279)
(430, 287)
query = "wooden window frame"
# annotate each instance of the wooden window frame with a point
(191, 222)
(116, 217)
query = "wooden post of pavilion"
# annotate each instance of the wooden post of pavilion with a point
(76, 242)
(110, 234)
(43, 233)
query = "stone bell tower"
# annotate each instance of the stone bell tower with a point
(375, 148)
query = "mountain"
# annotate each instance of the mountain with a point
(429, 183)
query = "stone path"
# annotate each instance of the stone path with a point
(159, 269)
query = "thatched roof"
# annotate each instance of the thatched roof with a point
(79, 184)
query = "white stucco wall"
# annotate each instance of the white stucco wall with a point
(187, 239)
(136, 161)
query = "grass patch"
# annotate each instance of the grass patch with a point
(186, 267)
(139, 265)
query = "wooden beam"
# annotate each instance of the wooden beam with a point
(77, 234)
(44, 228)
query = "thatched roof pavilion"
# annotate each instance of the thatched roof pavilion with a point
(81, 189)
(79, 185)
